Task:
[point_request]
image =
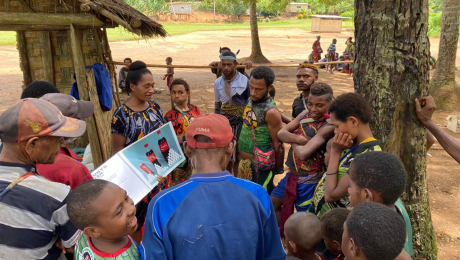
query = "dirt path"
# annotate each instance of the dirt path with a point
(279, 46)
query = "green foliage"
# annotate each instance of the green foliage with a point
(206, 5)
(149, 6)
(435, 5)
(272, 7)
(434, 24)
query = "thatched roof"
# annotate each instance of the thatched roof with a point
(126, 16)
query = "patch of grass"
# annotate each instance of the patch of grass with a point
(7, 38)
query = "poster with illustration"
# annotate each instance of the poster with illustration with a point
(137, 167)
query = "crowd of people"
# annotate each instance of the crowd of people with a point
(339, 198)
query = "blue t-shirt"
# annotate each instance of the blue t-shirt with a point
(212, 216)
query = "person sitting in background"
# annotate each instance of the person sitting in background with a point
(373, 232)
(302, 236)
(123, 73)
(106, 215)
(35, 224)
(332, 230)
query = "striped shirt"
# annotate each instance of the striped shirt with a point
(33, 216)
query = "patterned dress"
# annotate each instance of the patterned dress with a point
(180, 121)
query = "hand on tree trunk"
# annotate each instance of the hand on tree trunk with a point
(424, 109)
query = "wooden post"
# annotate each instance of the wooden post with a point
(23, 58)
(27, 18)
(80, 74)
(101, 118)
(47, 57)
(116, 95)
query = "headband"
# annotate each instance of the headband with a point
(227, 57)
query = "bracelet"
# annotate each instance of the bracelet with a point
(334, 173)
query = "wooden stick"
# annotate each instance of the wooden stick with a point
(239, 66)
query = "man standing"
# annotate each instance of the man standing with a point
(213, 215)
(261, 153)
(307, 74)
(231, 92)
(317, 50)
(218, 70)
(34, 220)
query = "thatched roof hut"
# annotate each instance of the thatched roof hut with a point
(57, 38)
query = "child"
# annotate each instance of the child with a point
(307, 134)
(332, 230)
(331, 55)
(107, 216)
(373, 232)
(350, 114)
(181, 116)
(302, 235)
(380, 177)
(169, 73)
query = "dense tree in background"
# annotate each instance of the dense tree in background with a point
(391, 70)
(444, 76)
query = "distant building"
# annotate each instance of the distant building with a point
(180, 8)
(327, 23)
(292, 9)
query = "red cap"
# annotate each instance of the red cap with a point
(214, 126)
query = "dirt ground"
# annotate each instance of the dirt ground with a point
(279, 46)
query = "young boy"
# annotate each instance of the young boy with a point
(307, 134)
(332, 230)
(380, 177)
(350, 114)
(107, 216)
(373, 232)
(302, 235)
(169, 73)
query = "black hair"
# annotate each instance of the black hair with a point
(381, 172)
(128, 59)
(224, 48)
(38, 89)
(308, 65)
(332, 223)
(263, 72)
(320, 89)
(180, 81)
(79, 203)
(377, 230)
(351, 104)
(169, 59)
(272, 92)
(135, 72)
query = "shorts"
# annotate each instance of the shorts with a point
(305, 192)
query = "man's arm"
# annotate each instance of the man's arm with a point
(424, 109)
(152, 246)
(273, 119)
(286, 134)
(322, 136)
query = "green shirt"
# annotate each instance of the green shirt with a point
(84, 250)
(408, 247)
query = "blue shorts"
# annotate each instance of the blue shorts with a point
(305, 192)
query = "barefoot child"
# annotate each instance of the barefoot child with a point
(302, 236)
(307, 134)
(350, 114)
(181, 116)
(332, 230)
(107, 216)
(373, 231)
(169, 73)
(380, 177)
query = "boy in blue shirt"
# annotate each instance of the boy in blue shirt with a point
(213, 215)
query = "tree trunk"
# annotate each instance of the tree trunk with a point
(256, 51)
(391, 70)
(444, 76)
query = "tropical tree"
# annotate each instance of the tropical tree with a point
(391, 70)
(256, 51)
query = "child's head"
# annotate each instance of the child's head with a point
(349, 113)
(168, 60)
(332, 228)
(327, 155)
(376, 176)
(180, 91)
(319, 99)
(127, 60)
(302, 233)
(373, 232)
(334, 41)
(102, 210)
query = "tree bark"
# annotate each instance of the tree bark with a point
(256, 50)
(391, 70)
(444, 76)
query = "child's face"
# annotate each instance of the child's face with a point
(117, 213)
(357, 195)
(333, 246)
(178, 94)
(346, 243)
(318, 106)
(168, 62)
(348, 127)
